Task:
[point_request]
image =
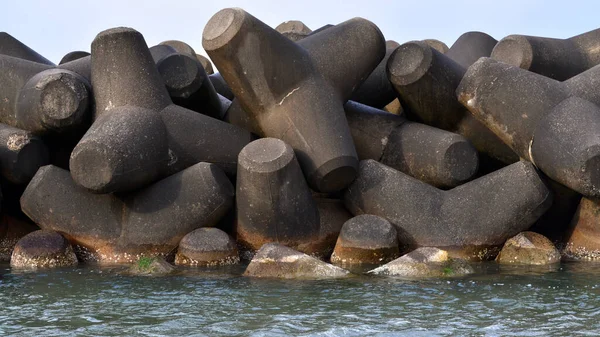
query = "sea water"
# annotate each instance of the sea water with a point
(496, 301)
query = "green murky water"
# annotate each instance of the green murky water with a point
(91, 301)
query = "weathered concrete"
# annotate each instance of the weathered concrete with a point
(43, 249)
(221, 86)
(435, 156)
(583, 236)
(42, 99)
(376, 90)
(207, 247)
(437, 45)
(425, 81)
(555, 58)
(470, 46)
(293, 30)
(12, 47)
(528, 248)
(274, 203)
(277, 261)
(123, 95)
(300, 99)
(12, 229)
(119, 229)
(472, 220)
(186, 81)
(206, 64)
(21, 154)
(72, 56)
(425, 262)
(539, 119)
(366, 239)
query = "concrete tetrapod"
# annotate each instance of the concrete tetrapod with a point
(539, 119)
(134, 115)
(470, 46)
(185, 78)
(21, 154)
(72, 56)
(274, 204)
(120, 229)
(43, 249)
(425, 81)
(583, 235)
(437, 45)
(12, 47)
(559, 59)
(472, 220)
(376, 90)
(437, 157)
(293, 30)
(295, 91)
(42, 99)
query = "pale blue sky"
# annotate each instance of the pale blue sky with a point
(54, 28)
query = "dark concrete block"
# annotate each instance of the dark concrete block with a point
(42, 99)
(295, 91)
(72, 56)
(559, 59)
(437, 157)
(472, 220)
(21, 154)
(120, 229)
(366, 239)
(190, 137)
(12, 47)
(274, 203)
(206, 64)
(294, 30)
(376, 90)
(539, 119)
(207, 247)
(425, 81)
(470, 46)
(221, 86)
(186, 81)
(43, 249)
(437, 45)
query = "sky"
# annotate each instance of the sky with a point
(54, 28)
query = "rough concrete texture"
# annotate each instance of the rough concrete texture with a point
(424, 262)
(367, 239)
(425, 81)
(136, 86)
(277, 261)
(151, 266)
(221, 86)
(121, 228)
(206, 64)
(72, 56)
(12, 47)
(274, 203)
(472, 220)
(539, 119)
(437, 45)
(583, 236)
(42, 99)
(43, 249)
(293, 30)
(207, 247)
(470, 46)
(185, 78)
(437, 157)
(12, 229)
(21, 154)
(376, 90)
(295, 91)
(555, 58)
(528, 248)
